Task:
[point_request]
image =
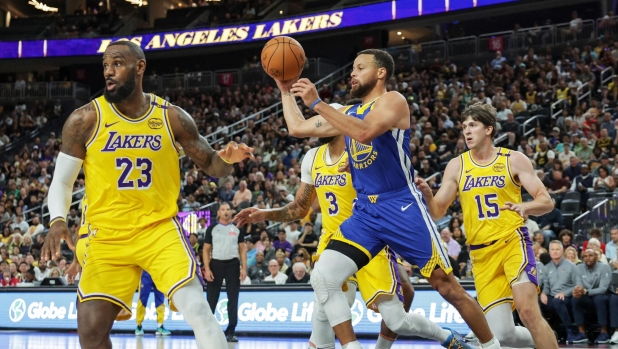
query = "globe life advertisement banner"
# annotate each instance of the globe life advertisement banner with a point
(199, 37)
(277, 311)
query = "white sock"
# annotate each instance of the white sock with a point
(384, 343)
(409, 324)
(488, 344)
(500, 320)
(192, 304)
(352, 345)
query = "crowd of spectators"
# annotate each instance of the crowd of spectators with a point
(574, 154)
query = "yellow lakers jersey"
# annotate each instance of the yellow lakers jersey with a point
(131, 167)
(333, 188)
(482, 191)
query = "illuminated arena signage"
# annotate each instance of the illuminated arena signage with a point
(343, 18)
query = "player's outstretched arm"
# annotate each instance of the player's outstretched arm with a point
(295, 210)
(542, 203)
(391, 110)
(198, 149)
(438, 204)
(77, 130)
(316, 126)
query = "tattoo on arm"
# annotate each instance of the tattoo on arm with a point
(294, 210)
(197, 147)
(318, 124)
(77, 130)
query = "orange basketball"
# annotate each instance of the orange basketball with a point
(283, 58)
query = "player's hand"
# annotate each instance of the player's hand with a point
(51, 247)
(234, 152)
(208, 275)
(559, 296)
(423, 187)
(543, 298)
(248, 215)
(344, 167)
(306, 90)
(519, 208)
(243, 274)
(286, 86)
(72, 271)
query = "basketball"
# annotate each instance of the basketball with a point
(283, 58)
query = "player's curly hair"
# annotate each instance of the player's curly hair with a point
(483, 113)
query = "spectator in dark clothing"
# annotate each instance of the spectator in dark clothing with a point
(227, 194)
(308, 239)
(190, 187)
(583, 184)
(551, 221)
(511, 128)
(425, 171)
(558, 186)
(282, 243)
(574, 169)
(259, 270)
(299, 274)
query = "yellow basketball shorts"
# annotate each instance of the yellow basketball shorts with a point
(498, 265)
(379, 277)
(113, 260)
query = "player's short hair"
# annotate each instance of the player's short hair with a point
(133, 47)
(483, 113)
(382, 59)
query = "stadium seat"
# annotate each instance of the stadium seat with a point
(572, 195)
(593, 201)
(600, 194)
(570, 206)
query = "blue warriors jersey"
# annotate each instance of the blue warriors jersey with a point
(383, 165)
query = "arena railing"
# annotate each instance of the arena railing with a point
(432, 50)
(45, 90)
(540, 36)
(610, 28)
(564, 33)
(274, 110)
(523, 126)
(585, 87)
(605, 80)
(554, 106)
(465, 46)
(603, 215)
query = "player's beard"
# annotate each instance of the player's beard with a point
(123, 91)
(363, 89)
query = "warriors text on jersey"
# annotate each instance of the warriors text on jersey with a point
(384, 164)
(482, 191)
(131, 167)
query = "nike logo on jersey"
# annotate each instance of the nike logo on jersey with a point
(319, 167)
(112, 124)
(470, 170)
(403, 208)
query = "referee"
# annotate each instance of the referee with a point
(225, 257)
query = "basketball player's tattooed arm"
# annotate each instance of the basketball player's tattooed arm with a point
(316, 126)
(391, 110)
(295, 210)
(198, 149)
(76, 131)
(522, 171)
(438, 204)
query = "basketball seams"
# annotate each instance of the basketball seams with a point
(294, 54)
(283, 61)
(272, 55)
